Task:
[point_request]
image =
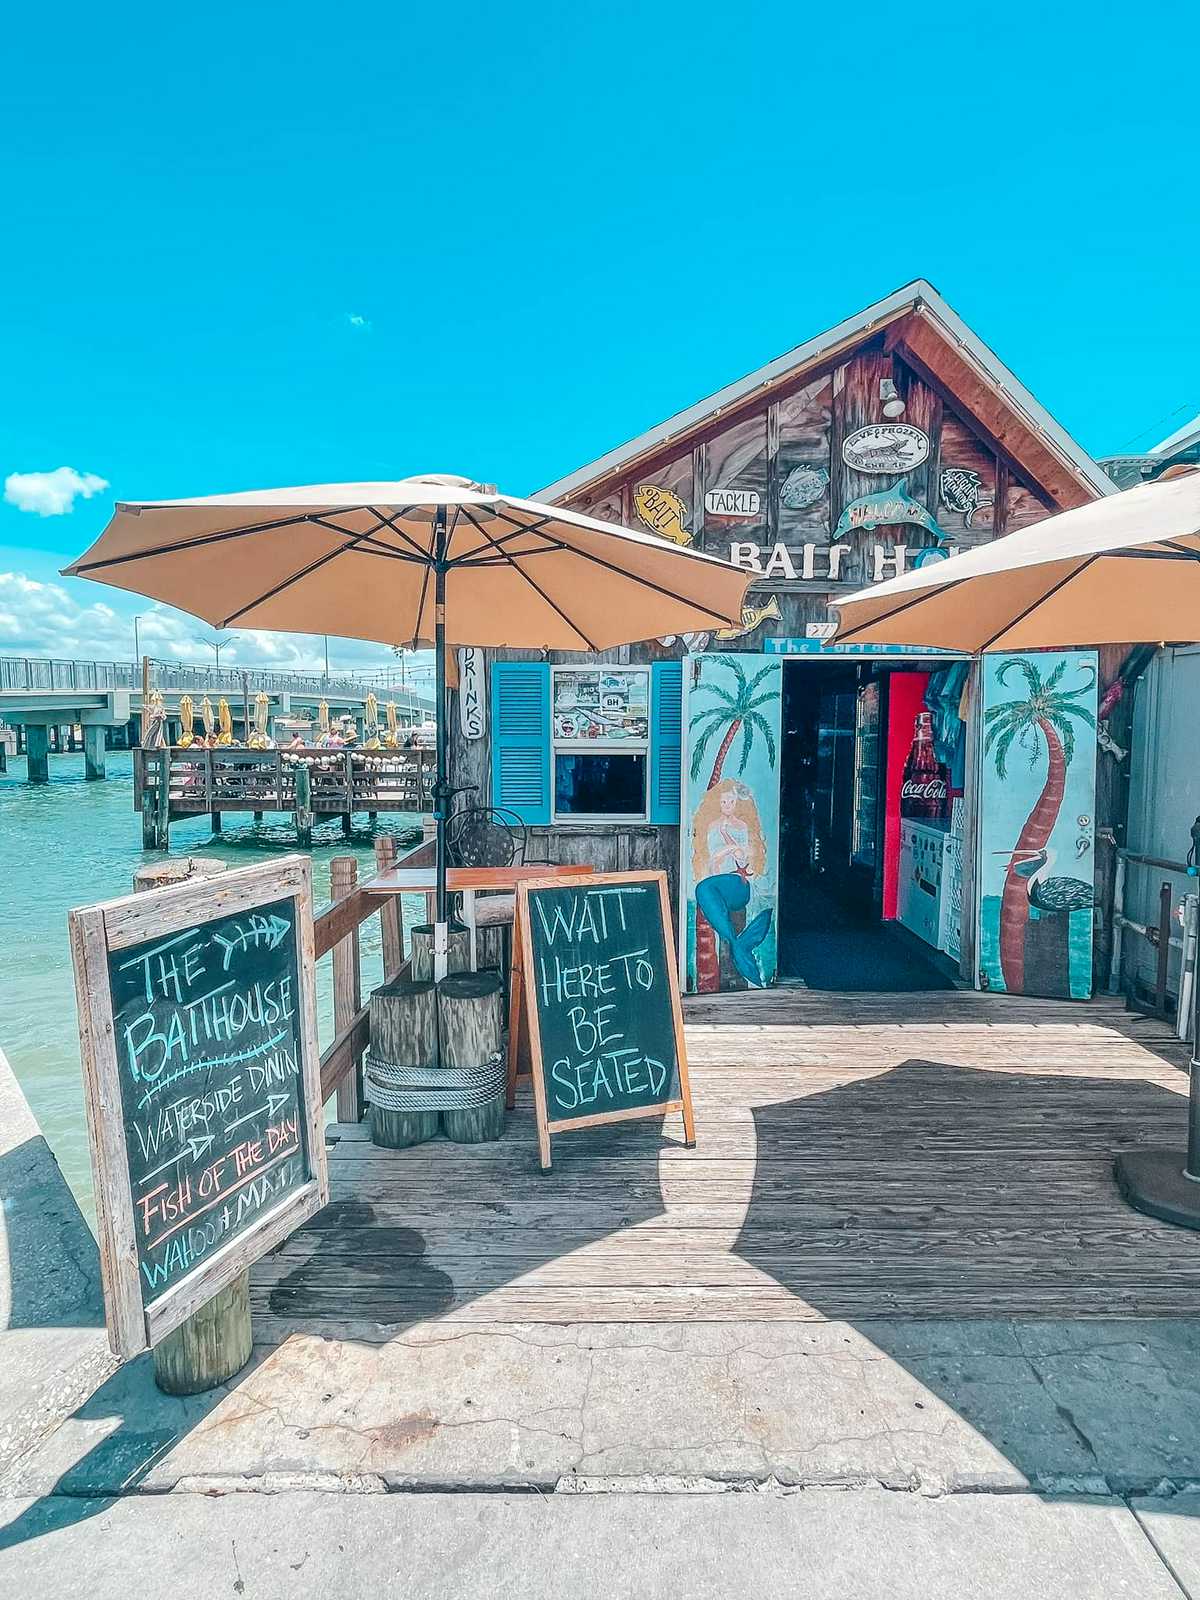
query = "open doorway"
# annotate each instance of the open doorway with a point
(870, 832)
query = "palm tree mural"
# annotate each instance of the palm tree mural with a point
(738, 717)
(1044, 716)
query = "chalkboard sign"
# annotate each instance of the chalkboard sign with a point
(596, 991)
(199, 1048)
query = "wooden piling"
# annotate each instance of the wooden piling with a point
(304, 812)
(458, 956)
(389, 911)
(404, 1029)
(471, 1027)
(347, 990)
(156, 800)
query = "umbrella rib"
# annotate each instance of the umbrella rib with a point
(390, 522)
(421, 604)
(306, 571)
(505, 539)
(646, 583)
(191, 544)
(1040, 601)
(536, 587)
(366, 542)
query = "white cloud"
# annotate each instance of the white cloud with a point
(357, 320)
(51, 494)
(46, 619)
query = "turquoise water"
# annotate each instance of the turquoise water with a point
(69, 843)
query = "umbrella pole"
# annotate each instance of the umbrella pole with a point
(1166, 1183)
(441, 787)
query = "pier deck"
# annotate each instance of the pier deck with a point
(904, 1156)
(211, 782)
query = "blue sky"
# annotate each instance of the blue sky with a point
(247, 246)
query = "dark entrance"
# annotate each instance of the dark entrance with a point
(839, 828)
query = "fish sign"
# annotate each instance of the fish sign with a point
(885, 508)
(886, 447)
(595, 998)
(752, 617)
(198, 1037)
(663, 512)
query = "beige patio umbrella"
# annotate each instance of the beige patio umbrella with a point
(1123, 570)
(432, 559)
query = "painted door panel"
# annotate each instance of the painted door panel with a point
(729, 837)
(1037, 805)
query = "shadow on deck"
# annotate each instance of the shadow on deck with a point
(932, 1156)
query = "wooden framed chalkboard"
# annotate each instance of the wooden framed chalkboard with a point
(197, 1029)
(596, 994)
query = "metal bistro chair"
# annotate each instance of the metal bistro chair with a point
(489, 836)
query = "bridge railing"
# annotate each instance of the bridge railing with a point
(37, 672)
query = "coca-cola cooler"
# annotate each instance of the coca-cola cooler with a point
(917, 837)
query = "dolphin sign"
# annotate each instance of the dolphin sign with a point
(884, 507)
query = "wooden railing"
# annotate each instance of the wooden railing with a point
(229, 779)
(337, 935)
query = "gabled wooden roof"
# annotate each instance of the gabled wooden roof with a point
(927, 334)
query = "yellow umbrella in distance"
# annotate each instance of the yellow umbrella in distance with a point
(187, 719)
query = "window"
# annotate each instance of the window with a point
(601, 739)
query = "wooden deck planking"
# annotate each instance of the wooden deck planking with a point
(858, 1156)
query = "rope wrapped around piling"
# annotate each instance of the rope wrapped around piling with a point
(395, 1088)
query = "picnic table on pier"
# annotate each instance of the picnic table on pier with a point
(467, 881)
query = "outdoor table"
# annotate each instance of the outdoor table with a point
(467, 881)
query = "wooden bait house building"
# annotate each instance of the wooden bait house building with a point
(841, 816)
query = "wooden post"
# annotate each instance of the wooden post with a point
(404, 1027)
(471, 1026)
(347, 988)
(163, 796)
(214, 1343)
(303, 812)
(156, 799)
(389, 911)
(459, 954)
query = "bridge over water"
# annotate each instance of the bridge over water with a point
(46, 699)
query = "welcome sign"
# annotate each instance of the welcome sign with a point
(203, 1086)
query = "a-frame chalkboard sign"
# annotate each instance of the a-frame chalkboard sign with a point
(198, 1037)
(595, 1001)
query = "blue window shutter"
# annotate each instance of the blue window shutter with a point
(666, 727)
(521, 738)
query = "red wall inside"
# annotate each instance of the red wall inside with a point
(906, 697)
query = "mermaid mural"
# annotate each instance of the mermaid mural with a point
(727, 855)
(732, 821)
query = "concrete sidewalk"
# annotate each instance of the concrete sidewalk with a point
(939, 1407)
(864, 1545)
